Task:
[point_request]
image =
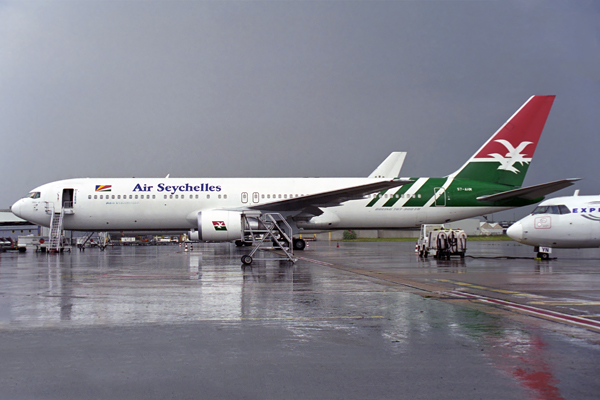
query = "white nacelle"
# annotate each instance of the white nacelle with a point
(218, 226)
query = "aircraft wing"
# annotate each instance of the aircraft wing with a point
(330, 198)
(530, 192)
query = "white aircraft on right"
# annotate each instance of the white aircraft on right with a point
(562, 222)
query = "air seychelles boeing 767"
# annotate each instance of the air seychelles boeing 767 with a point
(212, 208)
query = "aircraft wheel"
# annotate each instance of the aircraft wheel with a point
(239, 243)
(543, 256)
(299, 244)
(246, 259)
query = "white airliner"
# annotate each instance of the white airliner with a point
(213, 208)
(562, 222)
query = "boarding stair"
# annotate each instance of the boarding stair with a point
(272, 232)
(103, 240)
(56, 228)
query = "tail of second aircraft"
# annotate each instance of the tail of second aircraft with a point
(505, 157)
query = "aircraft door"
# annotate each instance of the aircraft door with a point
(244, 197)
(255, 197)
(68, 198)
(440, 196)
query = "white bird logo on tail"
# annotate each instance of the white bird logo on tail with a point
(513, 156)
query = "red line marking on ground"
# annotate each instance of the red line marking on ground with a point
(539, 311)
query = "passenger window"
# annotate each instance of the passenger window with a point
(119, 196)
(89, 196)
(153, 196)
(224, 196)
(101, 197)
(208, 196)
(136, 196)
(95, 196)
(113, 196)
(130, 196)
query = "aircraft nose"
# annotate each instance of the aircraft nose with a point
(515, 231)
(16, 208)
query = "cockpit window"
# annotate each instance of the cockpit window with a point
(540, 210)
(561, 209)
(34, 195)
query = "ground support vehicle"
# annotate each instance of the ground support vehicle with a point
(445, 242)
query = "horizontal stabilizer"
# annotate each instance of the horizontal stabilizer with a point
(530, 192)
(330, 198)
(390, 167)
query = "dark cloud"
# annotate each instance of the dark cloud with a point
(288, 88)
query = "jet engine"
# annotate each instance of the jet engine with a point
(218, 226)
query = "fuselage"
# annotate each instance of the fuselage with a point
(562, 222)
(108, 204)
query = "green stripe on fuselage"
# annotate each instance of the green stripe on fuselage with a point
(464, 193)
(376, 198)
(399, 193)
(460, 193)
(425, 192)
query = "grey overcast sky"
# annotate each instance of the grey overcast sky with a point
(289, 88)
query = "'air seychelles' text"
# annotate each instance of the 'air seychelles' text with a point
(161, 187)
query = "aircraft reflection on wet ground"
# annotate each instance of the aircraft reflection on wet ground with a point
(362, 320)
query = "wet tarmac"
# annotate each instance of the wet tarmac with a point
(365, 320)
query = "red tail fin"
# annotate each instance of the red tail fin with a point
(505, 157)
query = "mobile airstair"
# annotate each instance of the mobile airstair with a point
(268, 231)
(57, 240)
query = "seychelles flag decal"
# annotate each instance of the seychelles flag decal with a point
(219, 225)
(103, 188)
